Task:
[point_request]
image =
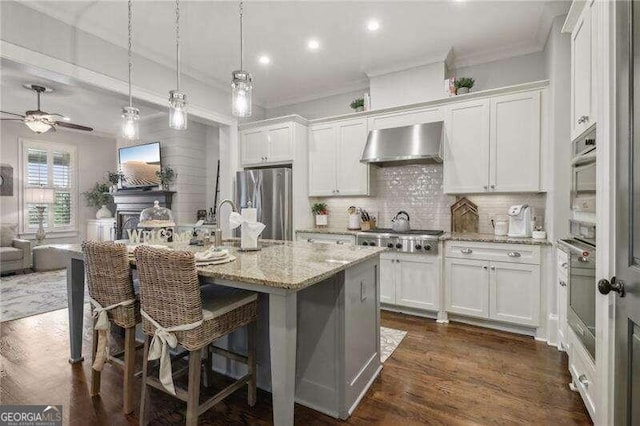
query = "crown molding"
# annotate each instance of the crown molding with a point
(572, 16)
(361, 84)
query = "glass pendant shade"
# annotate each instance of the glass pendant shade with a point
(38, 126)
(177, 110)
(130, 118)
(241, 88)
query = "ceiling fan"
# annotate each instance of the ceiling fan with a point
(40, 121)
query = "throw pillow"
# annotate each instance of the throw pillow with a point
(7, 235)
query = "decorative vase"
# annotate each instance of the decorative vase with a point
(322, 220)
(103, 213)
(462, 90)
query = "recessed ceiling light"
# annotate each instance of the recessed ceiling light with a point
(264, 59)
(373, 25)
(313, 44)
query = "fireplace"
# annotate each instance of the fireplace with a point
(130, 203)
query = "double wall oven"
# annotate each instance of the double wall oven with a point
(583, 173)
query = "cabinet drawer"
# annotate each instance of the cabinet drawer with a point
(582, 372)
(326, 238)
(514, 253)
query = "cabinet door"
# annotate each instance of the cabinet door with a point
(93, 231)
(322, 161)
(280, 142)
(254, 146)
(418, 283)
(515, 293)
(466, 162)
(515, 143)
(387, 280)
(581, 73)
(467, 287)
(352, 175)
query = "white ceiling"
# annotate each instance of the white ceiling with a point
(85, 106)
(411, 33)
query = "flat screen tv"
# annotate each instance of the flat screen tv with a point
(139, 165)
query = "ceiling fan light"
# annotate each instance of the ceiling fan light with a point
(38, 126)
(241, 88)
(177, 110)
(130, 118)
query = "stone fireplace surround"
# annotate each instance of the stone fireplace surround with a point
(129, 204)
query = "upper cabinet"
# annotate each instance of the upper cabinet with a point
(335, 149)
(493, 144)
(270, 144)
(583, 45)
(405, 118)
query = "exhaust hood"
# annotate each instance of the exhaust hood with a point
(420, 143)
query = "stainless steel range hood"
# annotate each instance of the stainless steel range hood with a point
(420, 143)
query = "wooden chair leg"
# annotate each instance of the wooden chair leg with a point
(129, 369)
(193, 394)
(208, 377)
(95, 375)
(144, 396)
(251, 362)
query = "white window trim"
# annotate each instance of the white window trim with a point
(70, 230)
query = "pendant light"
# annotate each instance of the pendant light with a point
(241, 82)
(130, 115)
(177, 99)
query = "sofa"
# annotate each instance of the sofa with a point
(15, 254)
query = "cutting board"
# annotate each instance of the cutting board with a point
(464, 216)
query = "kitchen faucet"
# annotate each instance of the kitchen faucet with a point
(218, 234)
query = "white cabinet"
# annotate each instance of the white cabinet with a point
(514, 147)
(562, 278)
(466, 153)
(493, 145)
(101, 229)
(505, 290)
(405, 118)
(583, 59)
(267, 145)
(467, 287)
(411, 281)
(335, 150)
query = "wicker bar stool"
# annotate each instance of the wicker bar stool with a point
(174, 313)
(113, 300)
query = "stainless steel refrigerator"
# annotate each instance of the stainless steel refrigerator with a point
(269, 191)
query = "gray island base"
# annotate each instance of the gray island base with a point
(319, 325)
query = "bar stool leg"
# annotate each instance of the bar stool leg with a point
(193, 395)
(95, 375)
(251, 362)
(144, 396)
(129, 368)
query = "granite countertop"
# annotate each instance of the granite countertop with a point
(335, 231)
(288, 264)
(490, 238)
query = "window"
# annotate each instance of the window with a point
(52, 165)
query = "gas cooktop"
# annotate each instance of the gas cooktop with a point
(431, 232)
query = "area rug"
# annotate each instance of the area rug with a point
(389, 340)
(32, 294)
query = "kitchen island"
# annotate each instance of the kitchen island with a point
(319, 325)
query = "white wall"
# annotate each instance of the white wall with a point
(96, 156)
(419, 84)
(505, 72)
(319, 108)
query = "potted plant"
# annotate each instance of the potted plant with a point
(98, 197)
(167, 176)
(357, 105)
(114, 179)
(321, 213)
(463, 85)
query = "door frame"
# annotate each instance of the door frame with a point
(605, 90)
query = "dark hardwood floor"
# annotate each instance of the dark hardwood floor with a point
(452, 374)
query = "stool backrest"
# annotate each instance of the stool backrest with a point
(169, 286)
(108, 272)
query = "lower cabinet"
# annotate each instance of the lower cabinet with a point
(409, 280)
(101, 229)
(500, 291)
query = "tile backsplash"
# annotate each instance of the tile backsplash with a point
(417, 189)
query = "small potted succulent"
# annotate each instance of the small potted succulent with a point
(463, 85)
(321, 213)
(357, 105)
(98, 197)
(166, 176)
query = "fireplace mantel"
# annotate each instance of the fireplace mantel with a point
(129, 204)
